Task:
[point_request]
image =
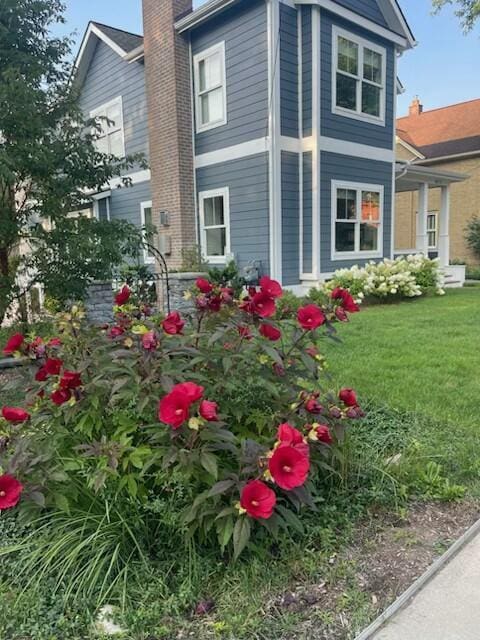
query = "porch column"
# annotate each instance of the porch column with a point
(444, 224)
(422, 236)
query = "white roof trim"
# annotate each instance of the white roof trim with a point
(87, 48)
(395, 18)
(410, 148)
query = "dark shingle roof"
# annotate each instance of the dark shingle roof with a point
(451, 147)
(124, 39)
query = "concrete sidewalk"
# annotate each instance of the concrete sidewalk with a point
(446, 608)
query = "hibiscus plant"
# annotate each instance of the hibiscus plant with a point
(232, 403)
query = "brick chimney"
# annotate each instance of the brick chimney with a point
(167, 75)
(416, 108)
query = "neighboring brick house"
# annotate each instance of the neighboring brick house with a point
(446, 139)
(271, 129)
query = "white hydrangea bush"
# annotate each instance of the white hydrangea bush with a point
(405, 277)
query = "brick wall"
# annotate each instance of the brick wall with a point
(167, 68)
(464, 205)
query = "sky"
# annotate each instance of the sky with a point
(443, 69)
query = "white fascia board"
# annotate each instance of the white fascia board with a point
(352, 16)
(87, 48)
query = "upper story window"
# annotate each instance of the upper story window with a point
(215, 224)
(359, 77)
(110, 138)
(357, 219)
(210, 88)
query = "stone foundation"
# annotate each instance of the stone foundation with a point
(99, 303)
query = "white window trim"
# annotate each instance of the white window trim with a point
(101, 196)
(147, 259)
(358, 187)
(101, 111)
(435, 246)
(217, 48)
(362, 43)
(202, 196)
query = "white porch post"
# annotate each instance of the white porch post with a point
(444, 223)
(422, 236)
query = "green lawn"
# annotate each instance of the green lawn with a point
(423, 357)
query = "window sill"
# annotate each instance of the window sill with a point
(213, 125)
(355, 115)
(352, 255)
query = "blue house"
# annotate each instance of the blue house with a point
(270, 129)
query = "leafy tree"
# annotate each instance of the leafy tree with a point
(49, 162)
(467, 10)
(472, 235)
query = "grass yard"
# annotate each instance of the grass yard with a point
(423, 357)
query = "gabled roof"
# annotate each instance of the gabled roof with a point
(398, 29)
(448, 131)
(122, 42)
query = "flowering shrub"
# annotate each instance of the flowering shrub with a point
(408, 277)
(232, 406)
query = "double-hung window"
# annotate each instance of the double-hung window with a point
(101, 206)
(215, 224)
(359, 76)
(210, 88)
(357, 218)
(110, 138)
(432, 230)
(147, 221)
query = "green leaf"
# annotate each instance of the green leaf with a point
(241, 535)
(132, 486)
(209, 463)
(61, 502)
(221, 487)
(225, 531)
(291, 519)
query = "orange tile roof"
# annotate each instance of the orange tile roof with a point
(454, 128)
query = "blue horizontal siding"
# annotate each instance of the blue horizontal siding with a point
(367, 8)
(288, 71)
(108, 77)
(125, 202)
(307, 212)
(343, 127)
(244, 30)
(307, 70)
(290, 218)
(248, 183)
(339, 167)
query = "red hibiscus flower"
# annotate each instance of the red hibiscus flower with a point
(149, 341)
(215, 303)
(271, 287)
(208, 410)
(15, 414)
(313, 406)
(203, 285)
(289, 436)
(348, 397)
(346, 300)
(289, 467)
(258, 500)
(227, 294)
(173, 324)
(13, 344)
(123, 296)
(41, 375)
(10, 491)
(53, 366)
(270, 332)
(173, 409)
(54, 342)
(116, 331)
(263, 305)
(60, 396)
(70, 380)
(37, 347)
(341, 314)
(191, 390)
(323, 434)
(310, 317)
(244, 332)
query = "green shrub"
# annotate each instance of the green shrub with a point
(472, 235)
(231, 415)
